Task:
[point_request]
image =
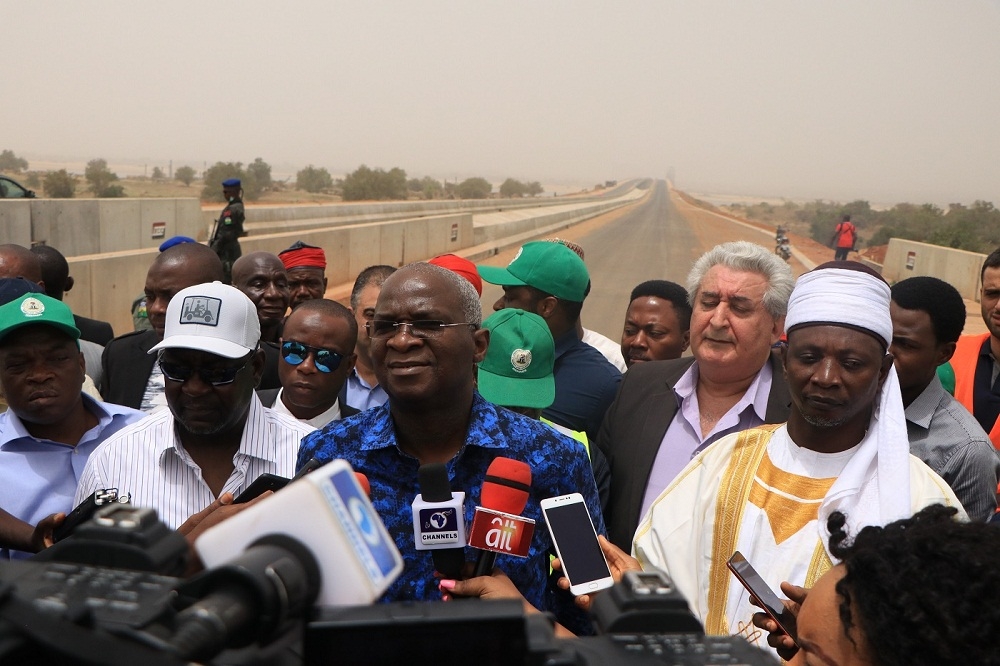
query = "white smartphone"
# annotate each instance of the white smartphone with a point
(576, 543)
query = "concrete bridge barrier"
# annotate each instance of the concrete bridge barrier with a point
(107, 283)
(960, 268)
(92, 226)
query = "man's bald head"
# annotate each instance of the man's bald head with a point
(261, 276)
(55, 270)
(194, 259)
(177, 268)
(248, 264)
(17, 261)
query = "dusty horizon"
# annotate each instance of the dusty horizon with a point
(888, 102)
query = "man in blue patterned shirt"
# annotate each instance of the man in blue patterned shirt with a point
(425, 341)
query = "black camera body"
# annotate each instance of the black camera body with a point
(644, 602)
(110, 594)
(121, 536)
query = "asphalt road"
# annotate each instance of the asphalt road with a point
(657, 238)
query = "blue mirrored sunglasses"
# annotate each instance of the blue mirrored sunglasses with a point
(325, 360)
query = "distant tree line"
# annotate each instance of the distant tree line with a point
(314, 180)
(59, 184)
(975, 228)
(427, 187)
(102, 179)
(11, 163)
(514, 188)
(255, 179)
(364, 183)
(185, 174)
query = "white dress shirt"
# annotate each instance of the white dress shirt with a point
(317, 422)
(148, 461)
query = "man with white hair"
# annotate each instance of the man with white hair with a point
(666, 412)
(768, 491)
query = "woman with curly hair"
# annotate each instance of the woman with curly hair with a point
(922, 590)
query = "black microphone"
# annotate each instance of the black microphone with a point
(250, 599)
(439, 520)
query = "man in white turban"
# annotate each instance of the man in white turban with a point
(767, 492)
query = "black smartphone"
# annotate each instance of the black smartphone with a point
(261, 485)
(85, 510)
(754, 584)
(312, 464)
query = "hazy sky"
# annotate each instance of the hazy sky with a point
(883, 100)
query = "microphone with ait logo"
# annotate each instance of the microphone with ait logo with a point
(497, 526)
(439, 520)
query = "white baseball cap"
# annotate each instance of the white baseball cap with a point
(211, 317)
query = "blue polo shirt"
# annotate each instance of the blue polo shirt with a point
(38, 477)
(586, 384)
(559, 465)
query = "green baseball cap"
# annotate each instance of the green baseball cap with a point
(37, 309)
(517, 369)
(546, 266)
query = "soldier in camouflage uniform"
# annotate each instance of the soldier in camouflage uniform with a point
(229, 227)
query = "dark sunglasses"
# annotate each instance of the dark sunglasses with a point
(178, 372)
(325, 360)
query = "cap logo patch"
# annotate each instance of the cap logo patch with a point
(516, 256)
(32, 307)
(200, 310)
(520, 360)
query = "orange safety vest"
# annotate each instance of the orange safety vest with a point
(964, 364)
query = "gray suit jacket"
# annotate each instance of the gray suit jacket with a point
(634, 426)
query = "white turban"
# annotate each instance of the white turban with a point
(874, 488)
(841, 296)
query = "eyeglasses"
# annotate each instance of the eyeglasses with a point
(178, 372)
(325, 360)
(421, 328)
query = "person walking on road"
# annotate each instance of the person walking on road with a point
(845, 237)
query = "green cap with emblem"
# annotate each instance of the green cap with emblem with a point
(517, 369)
(546, 266)
(37, 309)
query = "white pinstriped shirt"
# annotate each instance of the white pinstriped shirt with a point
(148, 461)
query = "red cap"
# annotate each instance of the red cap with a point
(301, 255)
(463, 267)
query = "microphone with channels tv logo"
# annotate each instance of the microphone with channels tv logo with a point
(497, 526)
(439, 520)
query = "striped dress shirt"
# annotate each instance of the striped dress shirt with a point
(148, 461)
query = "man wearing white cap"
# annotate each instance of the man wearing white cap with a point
(767, 492)
(216, 438)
